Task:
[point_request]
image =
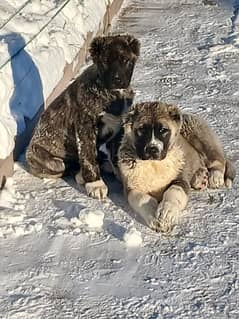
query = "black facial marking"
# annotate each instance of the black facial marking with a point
(162, 132)
(145, 132)
(143, 141)
(143, 136)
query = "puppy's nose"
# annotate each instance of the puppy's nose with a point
(152, 150)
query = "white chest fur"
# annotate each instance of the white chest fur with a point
(152, 176)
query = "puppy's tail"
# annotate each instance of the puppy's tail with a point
(230, 173)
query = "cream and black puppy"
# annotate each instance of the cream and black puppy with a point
(158, 165)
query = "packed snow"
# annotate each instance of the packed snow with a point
(7, 194)
(37, 39)
(63, 268)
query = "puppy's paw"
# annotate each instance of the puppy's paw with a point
(79, 179)
(228, 182)
(200, 179)
(96, 189)
(155, 225)
(216, 178)
(167, 217)
(144, 205)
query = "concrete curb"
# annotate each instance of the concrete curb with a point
(6, 165)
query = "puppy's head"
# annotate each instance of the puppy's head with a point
(115, 57)
(152, 128)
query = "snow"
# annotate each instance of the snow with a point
(13, 219)
(93, 219)
(132, 237)
(84, 221)
(41, 37)
(7, 194)
(61, 268)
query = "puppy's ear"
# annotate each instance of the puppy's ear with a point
(174, 113)
(96, 48)
(131, 115)
(134, 44)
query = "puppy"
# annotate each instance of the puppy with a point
(158, 165)
(87, 114)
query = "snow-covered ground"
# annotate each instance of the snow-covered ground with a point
(64, 255)
(37, 39)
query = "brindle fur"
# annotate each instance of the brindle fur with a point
(87, 114)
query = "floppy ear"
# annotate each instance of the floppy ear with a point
(134, 44)
(174, 113)
(131, 115)
(96, 48)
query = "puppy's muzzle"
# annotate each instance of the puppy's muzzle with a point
(153, 151)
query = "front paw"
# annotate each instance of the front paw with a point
(166, 218)
(96, 189)
(216, 178)
(155, 225)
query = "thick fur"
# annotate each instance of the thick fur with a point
(87, 114)
(158, 163)
(199, 134)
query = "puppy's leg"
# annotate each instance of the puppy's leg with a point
(216, 176)
(219, 176)
(230, 174)
(87, 153)
(199, 134)
(42, 164)
(199, 180)
(144, 205)
(79, 179)
(112, 148)
(174, 201)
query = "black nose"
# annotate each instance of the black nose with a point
(152, 150)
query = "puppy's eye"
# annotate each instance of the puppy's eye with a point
(164, 130)
(128, 63)
(140, 130)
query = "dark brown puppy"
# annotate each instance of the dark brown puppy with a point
(87, 114)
